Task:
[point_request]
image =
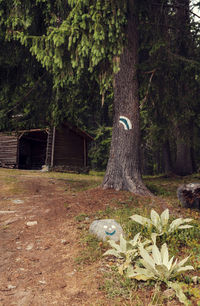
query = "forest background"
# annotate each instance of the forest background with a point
(36, 91)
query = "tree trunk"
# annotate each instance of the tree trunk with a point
(184, 162)
(123, 169)
(167, 163)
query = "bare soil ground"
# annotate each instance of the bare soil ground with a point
(37, 260)
(40, 239)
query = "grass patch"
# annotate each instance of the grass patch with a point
(10, 185)
(157, 190)
(81, 217)
(92, 249)
(76, 186)
(117, 286)
(75, 177)
(181, 244)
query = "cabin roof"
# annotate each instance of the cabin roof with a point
(73, 128)
(79, 131)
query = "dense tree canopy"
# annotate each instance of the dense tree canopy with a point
(143, 56)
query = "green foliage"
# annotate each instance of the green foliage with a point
(92, 249)
(160, 224)
(166, 100)
(127, 250)
(81, 217)
(180, 243)
(85, 35)
(157, 266)
(25, 89)
(157, 190)
(145, 262)
(70, 91)
(99, 152)
(79, 43)
(116, 285)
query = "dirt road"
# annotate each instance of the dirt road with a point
(39, 241)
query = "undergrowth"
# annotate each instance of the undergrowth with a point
(181, 244)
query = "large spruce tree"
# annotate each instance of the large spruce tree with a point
(123, 169)
(85, 42)
(102, 38)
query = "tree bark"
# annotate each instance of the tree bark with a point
(167, 162)
(184, 163)
(123, 169)
(184, 130)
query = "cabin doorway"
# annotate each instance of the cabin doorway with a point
(32, 150)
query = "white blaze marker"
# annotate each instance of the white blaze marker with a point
(125, 122)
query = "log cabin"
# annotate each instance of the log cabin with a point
(58, 147)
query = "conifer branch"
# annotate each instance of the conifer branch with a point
(27, 94)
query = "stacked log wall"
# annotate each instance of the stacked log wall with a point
(8, 151)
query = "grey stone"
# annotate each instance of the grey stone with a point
(11, 287)
(63, 241)
(42, 282)
(31, 223)
(30, 246)
(17, 201)
(45, 168)
(2, 212)
(106, 229)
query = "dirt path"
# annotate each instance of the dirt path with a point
(39, 240)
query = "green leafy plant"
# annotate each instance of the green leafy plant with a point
(161, 223)
(128, 251)
(143, 260)
(160, 268)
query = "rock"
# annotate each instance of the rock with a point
(42, 282)
(63, 241)
(17, 201)
(45, 168)
(30, 246)
(31, 223)
(189, 195)
(11, 287)
(7, 212)
(106, 229)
